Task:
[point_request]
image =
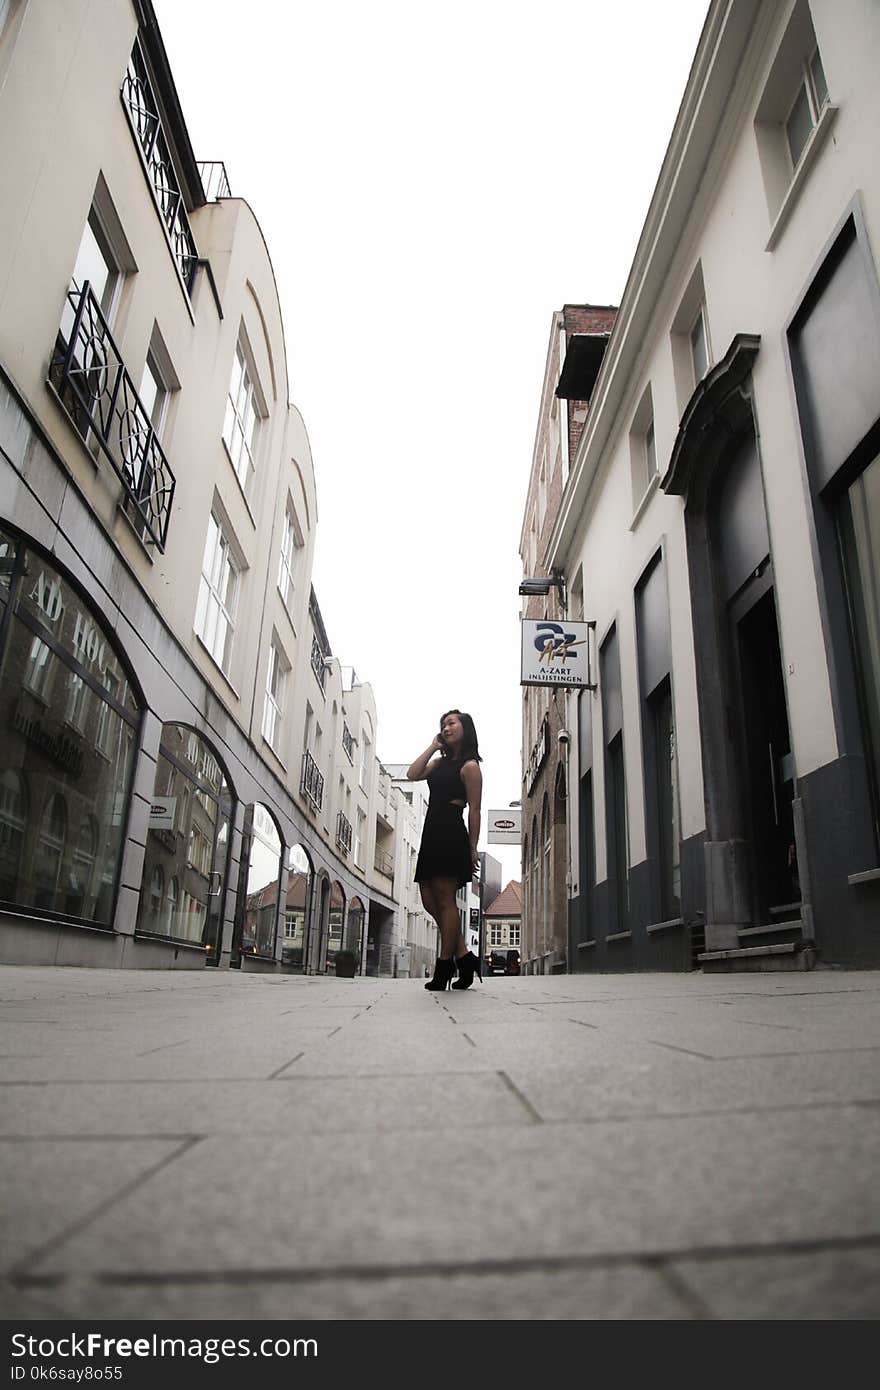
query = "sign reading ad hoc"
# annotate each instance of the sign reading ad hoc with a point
(554, 653)
(505, 827)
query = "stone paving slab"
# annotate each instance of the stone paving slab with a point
(47, 1188)
(682, 1085)
(294, 1105)
(671, 1146)
(843, 1283)
(629, 1188)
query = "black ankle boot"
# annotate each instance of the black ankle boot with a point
(442, 974)
(468, 966)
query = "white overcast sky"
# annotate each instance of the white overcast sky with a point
(432, 183)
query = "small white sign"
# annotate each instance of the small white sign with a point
(162, 810)
(554, 653)
(505, 827)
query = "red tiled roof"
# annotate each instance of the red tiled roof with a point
(508, 903)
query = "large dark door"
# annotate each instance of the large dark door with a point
(764, 749)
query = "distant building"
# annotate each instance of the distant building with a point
(578, 336)
(504, 919)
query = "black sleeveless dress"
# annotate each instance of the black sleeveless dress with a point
(445, 851)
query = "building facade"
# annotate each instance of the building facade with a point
(722, 522)
(187, 777)
(504, 919)
(578, 336)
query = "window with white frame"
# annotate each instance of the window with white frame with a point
(699, 341)
(691, 339)
(812, 96)
(366, 764)
(496, 934)
(218, 594)
(360, 834)
(793, 118)
(514, 933)
(291, 542)
(242, 420)
(276, 679)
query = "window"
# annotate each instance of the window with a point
(359, 837)
(812, 95)
(348, 741)
(691, 339)
(218, 594)
(699, 346)
(242, 418)
(496, 934)
(793, 118)
(291, 542)
(366, 764)
(514, 933)
(643, 451)
(276, 677)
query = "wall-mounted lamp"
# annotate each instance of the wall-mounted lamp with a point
(533, 587)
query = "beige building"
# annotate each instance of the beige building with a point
(504, 920)
(722, 523)
(179, 738)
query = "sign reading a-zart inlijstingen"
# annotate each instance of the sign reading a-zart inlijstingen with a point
(554, 653)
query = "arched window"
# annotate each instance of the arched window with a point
(188, 841)
(69, 736)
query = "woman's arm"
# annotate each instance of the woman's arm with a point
(418, 770)
(473, 785)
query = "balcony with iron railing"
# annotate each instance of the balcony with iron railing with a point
(98, 393)
(212, 172)
(311, 782)
(142, 109)
(319, 660)
(343, 832)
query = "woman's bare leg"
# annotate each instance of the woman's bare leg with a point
(452, 943)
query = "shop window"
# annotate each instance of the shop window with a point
(187, 842)
(264, 859)
(62, 688)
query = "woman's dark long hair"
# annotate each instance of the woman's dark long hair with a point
(469, 746)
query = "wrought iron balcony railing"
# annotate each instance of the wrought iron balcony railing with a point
(214, 181)
(343, 832)
(146, 123)
(318, 659)
(99, 394)
(311, 782)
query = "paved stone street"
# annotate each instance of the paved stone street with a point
(225, 1145)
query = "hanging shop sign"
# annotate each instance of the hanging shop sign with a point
(556, 653)
(505, 827)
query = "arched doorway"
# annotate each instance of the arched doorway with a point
(751, 852)
(259, 880)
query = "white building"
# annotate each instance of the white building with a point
(177, 733)
(721, 523)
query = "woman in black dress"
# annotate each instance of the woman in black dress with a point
(448, 855)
